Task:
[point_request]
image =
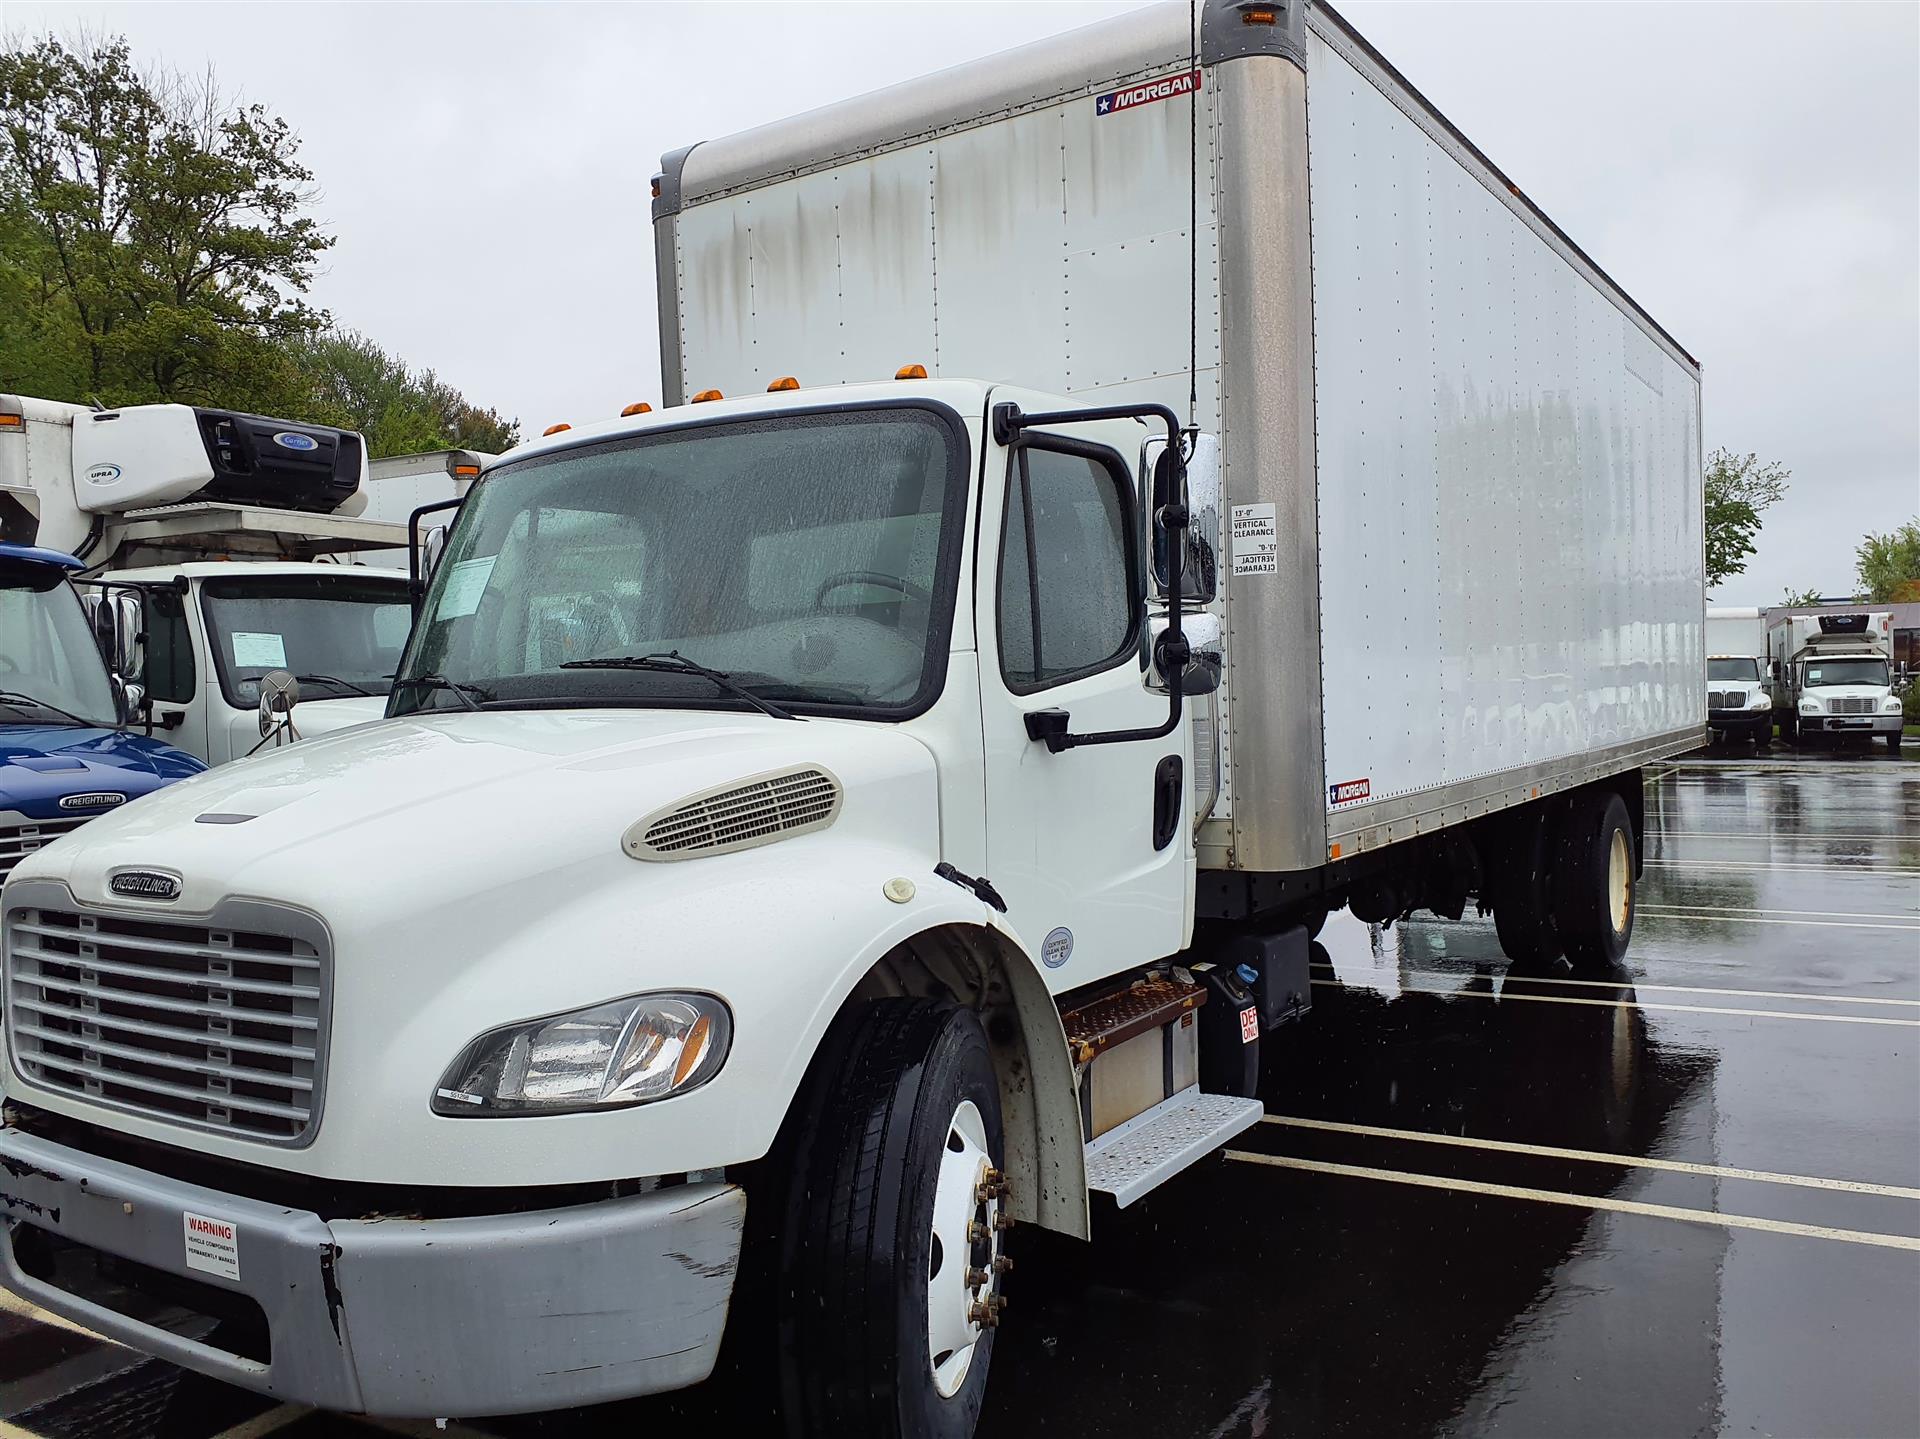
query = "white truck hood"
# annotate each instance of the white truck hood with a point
(315, 717)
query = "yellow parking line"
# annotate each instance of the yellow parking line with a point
(1582, 1201)
(1596, 1156)
(262, 1424)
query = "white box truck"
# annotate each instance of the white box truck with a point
(867, 814)
(1833, 677)
(1739, 703)
(159, 501)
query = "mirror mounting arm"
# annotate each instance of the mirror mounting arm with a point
(1050, 726)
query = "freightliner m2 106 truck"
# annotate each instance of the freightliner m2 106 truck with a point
(160, 501)
(1833, 677)
(886, 797)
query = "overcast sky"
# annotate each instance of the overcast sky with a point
(1750, 173)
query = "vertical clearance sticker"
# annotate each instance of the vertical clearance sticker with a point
(213, 1245)
(1146, 92)
(1256, 540)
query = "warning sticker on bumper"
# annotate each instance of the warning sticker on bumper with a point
(213, 1245)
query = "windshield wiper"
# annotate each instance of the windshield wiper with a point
(334, 680)
(673, 662)
(438, 681)
(20, 701)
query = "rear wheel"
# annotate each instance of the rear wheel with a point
(1893, 743)
(890, 1261)
(1522, 897)
(1593, 880)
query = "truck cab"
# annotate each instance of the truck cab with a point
(66, 756)
(1834, 677)
(212, 631)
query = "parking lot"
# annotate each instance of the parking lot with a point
(1682, 1200)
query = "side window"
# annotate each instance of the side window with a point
(1068, 601)
(169, 647)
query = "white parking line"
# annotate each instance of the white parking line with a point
(1595, 1156)
(1805, 836)
(1754, 866)
(1636, 986)
(1652, 912)
(1581, 1201)
(14, 1304)
(1635, 1004)
(1748, 909)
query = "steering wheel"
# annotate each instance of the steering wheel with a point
(869, 577)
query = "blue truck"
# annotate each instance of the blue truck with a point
(66, 752)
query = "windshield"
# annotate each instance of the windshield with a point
(1846, 672)
(341, 634)
(47, 650)
(1733, 669)
(810, 557)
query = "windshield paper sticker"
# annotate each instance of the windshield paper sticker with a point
(213, 1245)
(258, 651)
(1146, 92)
(464, 587)
(1256, 540)
(1349, 791)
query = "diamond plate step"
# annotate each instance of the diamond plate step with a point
(1151, 1148)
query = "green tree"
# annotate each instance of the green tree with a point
(358, 385)
(158, 227)
(1739, 489)
(1889, 564)
(1805, 597)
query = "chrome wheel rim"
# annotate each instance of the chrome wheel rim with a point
(962, 1249)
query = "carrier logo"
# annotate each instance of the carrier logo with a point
(144, 884)
(100, 800)
(1347, 791)
(287, 440)
(1147, 92)
(103, 474)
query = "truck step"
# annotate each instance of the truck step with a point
(1151, 1148)
(1148, 1003)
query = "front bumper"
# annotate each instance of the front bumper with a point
(414, 1318)
(1740, 721)
(1852, 724)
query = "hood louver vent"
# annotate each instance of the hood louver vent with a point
(751, 812)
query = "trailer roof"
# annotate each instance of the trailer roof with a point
(1082, 61)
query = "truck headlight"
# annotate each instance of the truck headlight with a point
(1892, 705)
(1809, 707)
(1759, 701)
(625, 1052)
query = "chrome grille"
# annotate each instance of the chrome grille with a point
(1847, 705)
(1725, 700)
(17, 841)
(215, 1028)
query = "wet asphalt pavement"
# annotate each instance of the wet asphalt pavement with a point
(1681, 1201)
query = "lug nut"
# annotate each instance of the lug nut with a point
(976, 1232)
(1003, 1221)
(977, 1277)
(996, 1302)
(982, 1315)
(1002, 1264)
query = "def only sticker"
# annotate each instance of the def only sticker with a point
(213, 1245)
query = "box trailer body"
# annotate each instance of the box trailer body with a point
(833, 791)
(1739, 700)
(1833, 676)
(1462, 466)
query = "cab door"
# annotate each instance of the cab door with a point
(1091, 848)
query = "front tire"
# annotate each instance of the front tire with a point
(1593, 880)
(1893, 742)
(889, 1269)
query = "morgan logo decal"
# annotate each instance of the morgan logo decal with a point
(144, 884)
(1348, 791)
(1147, 92)
(100, 799)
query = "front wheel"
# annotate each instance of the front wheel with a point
(890, 1264)
(1893, 743)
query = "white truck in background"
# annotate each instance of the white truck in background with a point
(903, 800)
(1833, 677)
(221, 546)
(1739, 701)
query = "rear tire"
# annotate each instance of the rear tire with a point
(1522, 896)
(879, 1333)
(1893, 742)
(1594, 865)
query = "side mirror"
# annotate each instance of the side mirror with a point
(279, 693)
(1206, 642)
(432, 546)
(133, 699)
(1199, 573)
(115, 618)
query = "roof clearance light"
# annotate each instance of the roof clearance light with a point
(1259, 16)
(554, 430)
(785, 382)
(642, 408)
(466, 472)
(910, 372)
(705, 395)
(9, 422)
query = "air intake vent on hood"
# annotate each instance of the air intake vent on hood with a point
(757, 811)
